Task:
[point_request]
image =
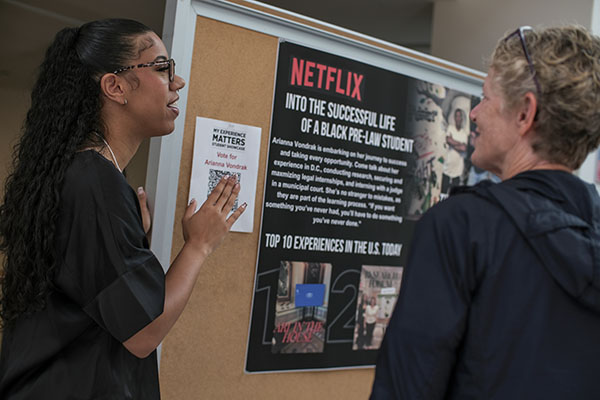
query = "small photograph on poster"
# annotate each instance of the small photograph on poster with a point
(301, 307)
(438, 120)
(378, 290)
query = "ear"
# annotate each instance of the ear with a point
(526, 113)
(113, 87)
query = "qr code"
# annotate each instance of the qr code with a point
(215, 175)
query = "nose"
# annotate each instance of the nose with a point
(178, 83)
(473, 113)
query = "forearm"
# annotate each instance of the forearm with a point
(203, 231)
(456, 145)
(179, 283)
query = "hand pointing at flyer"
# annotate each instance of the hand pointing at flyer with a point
(226, 148)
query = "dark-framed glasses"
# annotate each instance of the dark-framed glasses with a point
(520, 32)
(170, 64)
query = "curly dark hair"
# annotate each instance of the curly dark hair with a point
(64, 118)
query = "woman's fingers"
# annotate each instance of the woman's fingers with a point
(212, 221)
(146, 218)
(236, 214)
(187, 215)
(190, 209)
(229, 197)
(232, 187)
(215, 195)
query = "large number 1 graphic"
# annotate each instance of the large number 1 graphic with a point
(266, 282)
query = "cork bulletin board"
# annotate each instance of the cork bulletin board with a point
(232, 78)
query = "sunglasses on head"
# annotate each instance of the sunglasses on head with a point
(520, 33)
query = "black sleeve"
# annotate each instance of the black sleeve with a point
(104, 261)
(419, 350)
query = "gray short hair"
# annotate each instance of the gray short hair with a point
(567, 65)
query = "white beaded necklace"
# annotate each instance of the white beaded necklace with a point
(112, 154)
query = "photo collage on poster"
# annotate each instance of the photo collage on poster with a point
(301, 307)
(377, 293)
(438, 120)
(356, 155)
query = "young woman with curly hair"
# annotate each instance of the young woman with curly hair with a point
(84, 302)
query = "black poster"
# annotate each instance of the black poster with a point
(356, 155)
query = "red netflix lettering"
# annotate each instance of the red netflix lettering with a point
(326, 77)
(330, 78)
(348, 84)
(338, 89)
(357, 80)
(308, 74)
(321, 69)
(297, 70)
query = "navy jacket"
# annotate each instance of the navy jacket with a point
(501, 296)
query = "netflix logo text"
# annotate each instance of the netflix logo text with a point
(327, 78)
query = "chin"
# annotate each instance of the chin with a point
(487, 166)
(478, 162)
(167, 130)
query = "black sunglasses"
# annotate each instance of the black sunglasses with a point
(170, 64)
(521, 35)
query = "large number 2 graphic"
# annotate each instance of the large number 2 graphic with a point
(337, 332)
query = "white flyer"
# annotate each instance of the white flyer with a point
(226, 148)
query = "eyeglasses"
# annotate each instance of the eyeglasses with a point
(527, 56)
(170, 64)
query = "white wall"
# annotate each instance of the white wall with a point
(466, 31)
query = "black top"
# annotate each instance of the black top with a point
(501, 296)
(109, 285)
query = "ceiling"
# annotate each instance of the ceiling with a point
(28, 26)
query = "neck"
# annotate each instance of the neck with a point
(112, 156)
(521, 157)
(531, 163)
(121, 148)
(121, 139)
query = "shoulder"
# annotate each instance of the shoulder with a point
(461, 221)
(461, 235)
(91, 177)
(464, 204)
(88, 168)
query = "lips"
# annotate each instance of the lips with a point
(173, 106)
